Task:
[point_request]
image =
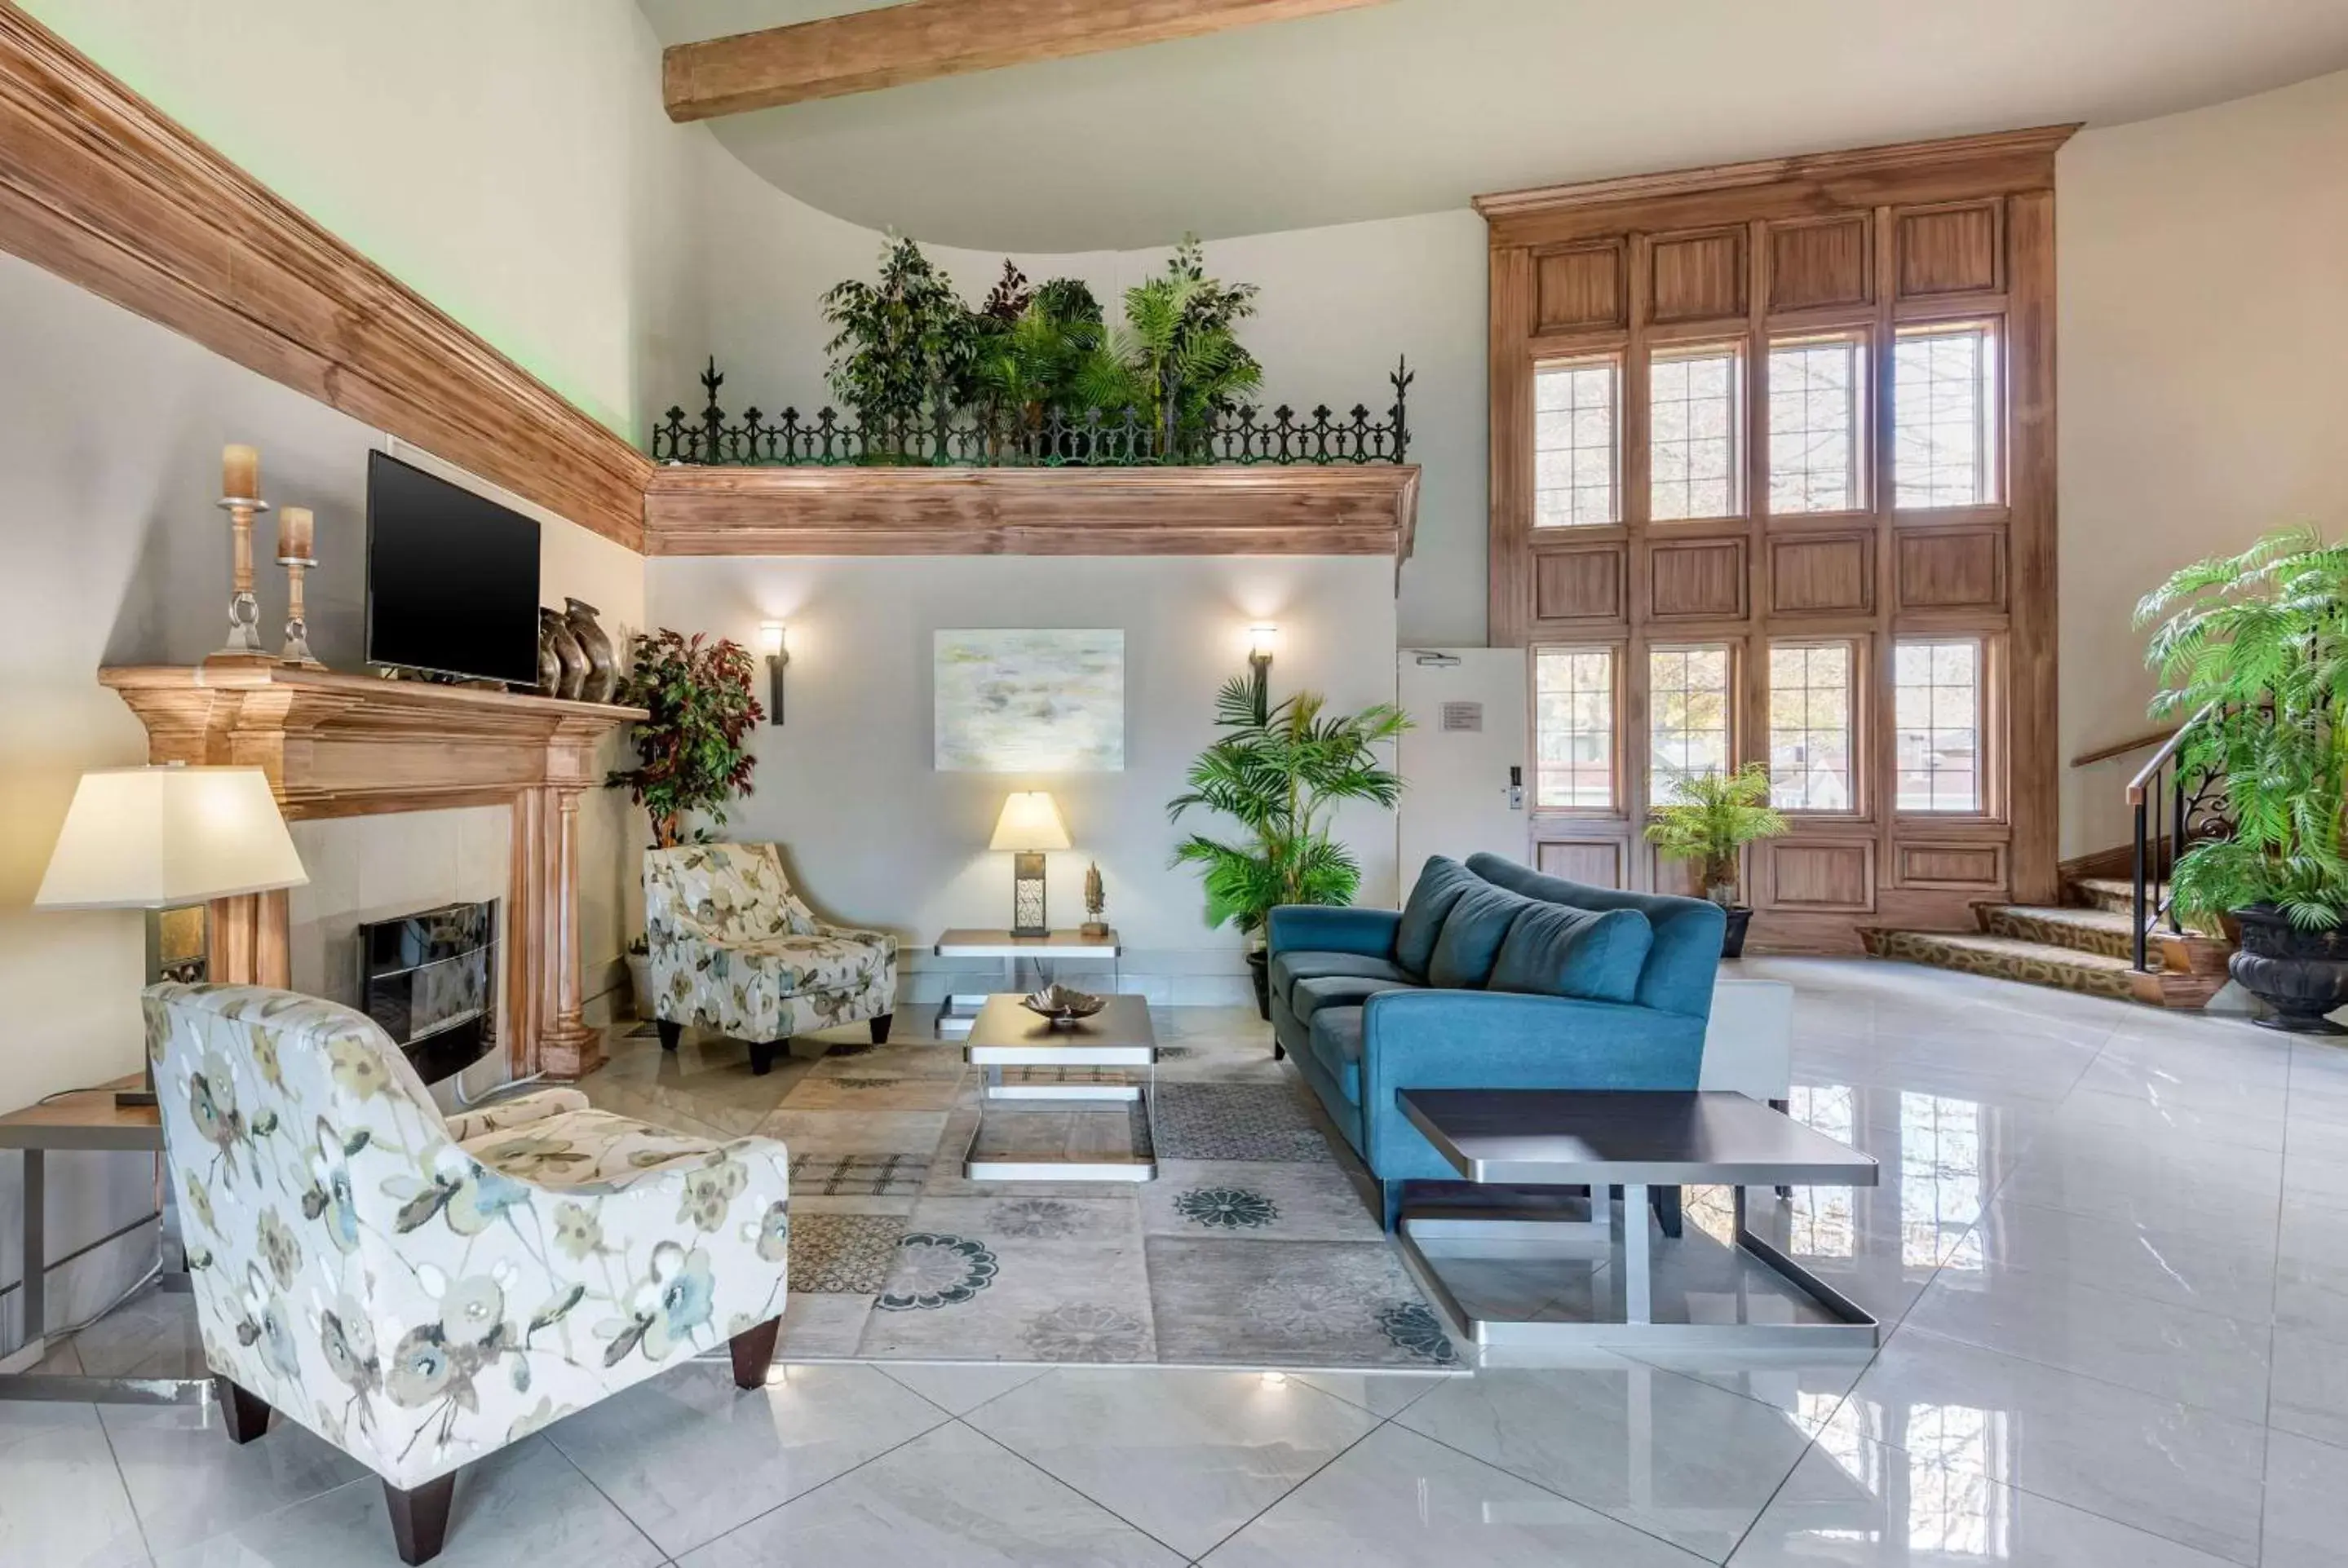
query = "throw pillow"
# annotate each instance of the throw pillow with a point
(1438, 888)
(1557, 950)
(1471, 938)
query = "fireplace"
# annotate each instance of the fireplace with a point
(430, 980)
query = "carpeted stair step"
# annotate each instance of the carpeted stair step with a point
(2116, 893)
(2008, 958)
(2106, 931)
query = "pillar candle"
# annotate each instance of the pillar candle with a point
(294, 533)
(241, 472)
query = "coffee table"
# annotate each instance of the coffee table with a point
(956, 1013)
(1006, 1034)
(1638, 1139)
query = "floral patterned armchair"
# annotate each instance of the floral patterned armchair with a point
(733, 948)
(420, 1292)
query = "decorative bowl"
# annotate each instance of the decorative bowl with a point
(1061, 1005)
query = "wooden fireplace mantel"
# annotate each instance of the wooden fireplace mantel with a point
(350, 745)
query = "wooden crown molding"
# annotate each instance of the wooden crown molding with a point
(1369, 510)
(1946, 168)
(99, 187)
(896, 45)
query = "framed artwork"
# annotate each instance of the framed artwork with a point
(1040, 702)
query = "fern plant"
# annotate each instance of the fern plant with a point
(1280, 774)
(1032, 348)
(1710, 817)
(1177, 357)
(2253, 650)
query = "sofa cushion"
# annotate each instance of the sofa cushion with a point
(1554, 950)
(1686, 957)
(1440, 883)
(1287, 968)
(1472, 934)
(1337, 1047)
(1314, 992)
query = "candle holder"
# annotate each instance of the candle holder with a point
(297, 625)
(244, 608)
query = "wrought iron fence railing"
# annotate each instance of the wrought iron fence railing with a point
(997, 438)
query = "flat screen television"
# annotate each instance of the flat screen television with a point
(451, 579)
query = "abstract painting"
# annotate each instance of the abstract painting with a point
(1043, 702)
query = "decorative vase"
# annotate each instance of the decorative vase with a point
(2301, 975)
(1731, 935)
(603, 661)
(550, 663)
(1259, 963)
(640, 982)
(571, 659)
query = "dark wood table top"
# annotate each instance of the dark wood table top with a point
(1123, 1025)
(1550, 1137)
(85, 1119)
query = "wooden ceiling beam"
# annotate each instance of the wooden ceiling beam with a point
(866, 50)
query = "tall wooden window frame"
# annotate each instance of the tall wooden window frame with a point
(1863, 247)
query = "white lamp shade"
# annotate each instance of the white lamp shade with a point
(150, 839)
(1030, 821)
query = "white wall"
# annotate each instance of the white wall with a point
(2204, 319)
(1337, 307)
(877, 838)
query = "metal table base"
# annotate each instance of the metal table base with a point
(1048, 1168)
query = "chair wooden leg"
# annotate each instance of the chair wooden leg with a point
(754, 1352)
(669, 1033)
(419, 1517)
(244, 1414)
(881, 1027)
(762, 1058)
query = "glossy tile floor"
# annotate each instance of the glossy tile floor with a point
(2112, 1244)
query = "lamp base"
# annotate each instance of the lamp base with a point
(1027, 917)
(125, 1099)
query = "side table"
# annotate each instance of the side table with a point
(957, 1011)
(85, 1119)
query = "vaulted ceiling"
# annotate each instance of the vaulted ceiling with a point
(1416, 105)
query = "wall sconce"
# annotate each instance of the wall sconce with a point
(1263, 637)
(775, 645)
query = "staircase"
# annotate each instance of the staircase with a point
(2085, 945)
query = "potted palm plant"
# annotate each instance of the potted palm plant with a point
(2252, 653)
(1708, 821)
(1280, 771)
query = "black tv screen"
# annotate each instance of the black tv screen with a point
(451, 579)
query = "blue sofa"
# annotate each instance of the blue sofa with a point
(1491, 976)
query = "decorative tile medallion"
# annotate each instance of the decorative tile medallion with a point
(1035, 1219)
(1226, 1208)
(858, 1176)
(843, 1254)
(1088, 1332)
(934, 1271)
(1412, 1327)
(1234, 1122)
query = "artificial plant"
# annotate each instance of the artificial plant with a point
(1281, 772)
(1711, 816)
(905, 351)
(1031, 345)
(691, 751)
(2252, 654)
(1177, 357)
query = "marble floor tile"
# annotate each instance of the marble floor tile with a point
(2187, 1475)
(950, 1496)
(1668, 1455)
(2306, 1503)
(62, 1500)
(2183, 1183)
(2309, 1395)
(1805, 1386)
(523, 1503)
(959, 1389)
(1289, 1200)
(1860, 1504)
(2194, 1357)
(189, 1484)
(1188, 1456)
(822, 1328)
(2157, 1119)
(2231, 1276)
(688, 1457)
(152, 1335)
(1395, 1498)
(2187, 1085)
(1225, 1301)
(1382, 1394)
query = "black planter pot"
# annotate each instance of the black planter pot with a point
(1731, 935)
(1260, 971)
(2301, 975)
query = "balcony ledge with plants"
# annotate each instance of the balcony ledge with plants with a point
(1030, 427)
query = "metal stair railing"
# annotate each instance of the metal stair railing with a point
(2172, 811)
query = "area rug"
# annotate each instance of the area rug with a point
(1254, 1247)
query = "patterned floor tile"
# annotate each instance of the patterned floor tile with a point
(1236, 1302)
(856, 1175)
(1275, 1201)
(1235, 1122)
(844, 1254)
(1017, 1279)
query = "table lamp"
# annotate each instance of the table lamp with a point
(157, 838)
(1029, 825)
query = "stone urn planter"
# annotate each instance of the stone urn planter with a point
(2300, 975)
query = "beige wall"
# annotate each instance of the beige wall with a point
(880, 838)
(2204, 301)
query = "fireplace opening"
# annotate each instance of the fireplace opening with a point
(430, 980)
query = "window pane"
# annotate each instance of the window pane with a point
(1573, 724)
(1574, 449)
(1943, 381)
(1692, 398)
(1809, 727)
(1936, 712)
(1687, 715)
(1813, 426)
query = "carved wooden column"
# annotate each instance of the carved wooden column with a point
(249, 942)
(567, 1048)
